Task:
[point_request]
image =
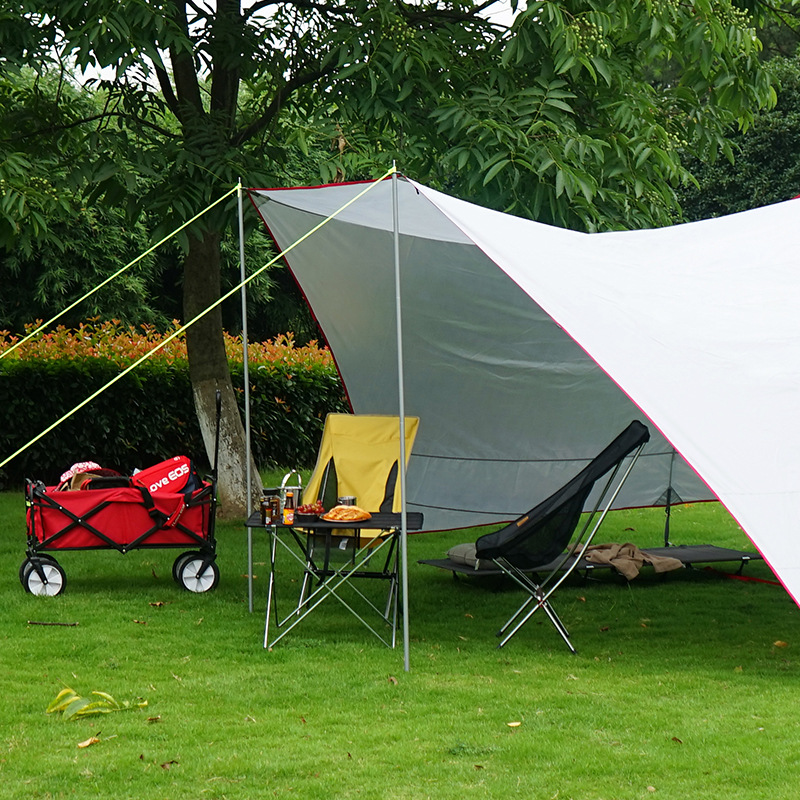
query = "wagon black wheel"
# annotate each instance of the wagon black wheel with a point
(180, 561)
(47, 581)
(28, 564)
(198, 574)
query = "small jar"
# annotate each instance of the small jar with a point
(274, 510)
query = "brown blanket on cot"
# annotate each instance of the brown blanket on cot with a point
(628, 559)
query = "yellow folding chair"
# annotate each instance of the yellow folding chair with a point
(359, 456)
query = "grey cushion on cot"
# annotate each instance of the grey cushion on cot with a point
(465, 554)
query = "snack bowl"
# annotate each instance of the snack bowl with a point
(307, 518)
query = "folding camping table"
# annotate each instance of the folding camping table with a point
(334, 555)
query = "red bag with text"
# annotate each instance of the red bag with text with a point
(176, 475)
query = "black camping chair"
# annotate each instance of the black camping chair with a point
(537, 542)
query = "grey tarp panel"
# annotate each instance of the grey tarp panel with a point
(510, 405)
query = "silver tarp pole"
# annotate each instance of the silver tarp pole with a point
(246, 379)
(402, 408)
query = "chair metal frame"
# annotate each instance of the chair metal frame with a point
(540, 592)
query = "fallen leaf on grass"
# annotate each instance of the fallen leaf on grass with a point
(738, 669)
(605, 628)
(393, 680)
(582, 599)
(168, 764)
(469, 616)
(676, 739)
(158, 604)
(88, 742)
(154, 719)
(651, 788)
(779, 643)
(140, 622)
(513, 724)
(478, 766)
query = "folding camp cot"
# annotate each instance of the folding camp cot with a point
(462, 561)
(168, 505)
(359, 457)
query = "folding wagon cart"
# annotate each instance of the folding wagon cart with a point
(168, 505)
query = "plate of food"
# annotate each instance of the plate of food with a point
(347, 514)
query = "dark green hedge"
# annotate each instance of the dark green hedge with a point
(148, 415)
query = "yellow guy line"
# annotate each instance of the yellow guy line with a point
(118, 272)
(191, 322)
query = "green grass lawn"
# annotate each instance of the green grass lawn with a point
(678, 691)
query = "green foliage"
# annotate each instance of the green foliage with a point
(76, 257)
(766, 165)
(72, 706)
(582, 114)
(37, 142)
(148, 414)
(288, 408)
(573, 128)
(56, 245)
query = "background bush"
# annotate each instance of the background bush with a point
(148, 414)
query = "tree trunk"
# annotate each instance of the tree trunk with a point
(209, 371)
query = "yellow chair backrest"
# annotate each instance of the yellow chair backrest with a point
(364, 449)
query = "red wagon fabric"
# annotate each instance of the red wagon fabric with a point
(122, 518)
(168, 505)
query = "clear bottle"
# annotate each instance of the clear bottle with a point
(288, 509)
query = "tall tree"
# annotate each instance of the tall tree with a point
(556, 117)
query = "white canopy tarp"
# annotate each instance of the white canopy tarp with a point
(528, 347)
